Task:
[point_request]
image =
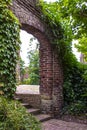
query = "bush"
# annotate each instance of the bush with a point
(75, 90)
(76, 108)
(32, 80)
(26, 81)
(13, 116)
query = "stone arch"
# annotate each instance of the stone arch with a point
(51, 75)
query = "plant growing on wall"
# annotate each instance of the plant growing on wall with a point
(9, 46)
(63, 26)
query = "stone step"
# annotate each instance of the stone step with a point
(36, 112)
(33, 111)
(18, 99)
(43, 117)
(26, 105)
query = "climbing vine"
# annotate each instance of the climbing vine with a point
(9, 46)
(60, 33)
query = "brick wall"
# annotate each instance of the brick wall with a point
(51, 75)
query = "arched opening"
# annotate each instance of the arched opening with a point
(51, 72)
(46, 68)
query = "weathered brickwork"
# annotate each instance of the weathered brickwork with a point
(57, 83)
(51, 75)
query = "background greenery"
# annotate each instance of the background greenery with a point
(33, 67)
(66, 20)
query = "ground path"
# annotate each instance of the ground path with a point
(53, 124)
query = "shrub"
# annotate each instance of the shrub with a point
(75, 90)
(76, 108)
(32, 80)
(26, 81)
(13, 116)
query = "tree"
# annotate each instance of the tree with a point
(72, 14)
(33, 56)
(82, 47)
(22, 69)
(75, 12)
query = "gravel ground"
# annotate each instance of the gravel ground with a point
(28, 89)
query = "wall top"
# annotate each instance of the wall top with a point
(28, 2)
(30, 5)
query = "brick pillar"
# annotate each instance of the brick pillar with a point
(46, 77)
(57, 94)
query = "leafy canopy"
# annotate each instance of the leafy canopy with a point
(72, 15)
(75, 11)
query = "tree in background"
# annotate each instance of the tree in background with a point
(75, 12)
(82, 47)
(22, 69)
(33, 68)
(33, 56)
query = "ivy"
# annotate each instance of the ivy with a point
(59, 32)
(9, 46)
(60, 21)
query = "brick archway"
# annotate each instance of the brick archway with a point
(51, 75)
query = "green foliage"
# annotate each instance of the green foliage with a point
(59, 32)
(34, 62)
(75, 90)
(75, 12)
(13, 116)
(34, 67)
(85, 75)
(76, 108)
(82, 46)
(33, 56)
(75, 86)
(22, 70)
(5, 3)
(9, 45)
(32, 80)
(63, 24)
(26, 81)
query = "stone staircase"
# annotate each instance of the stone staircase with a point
(34, 111)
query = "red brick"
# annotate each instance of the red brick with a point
(51, 72)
